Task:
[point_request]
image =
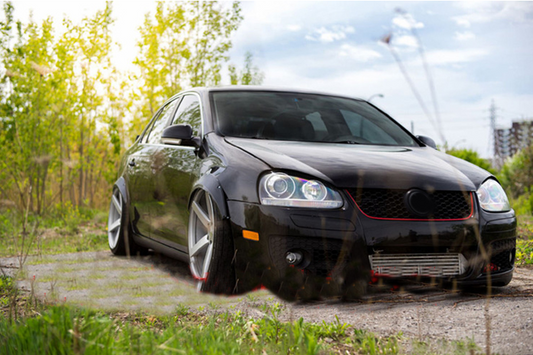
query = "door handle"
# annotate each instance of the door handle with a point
(131, 162)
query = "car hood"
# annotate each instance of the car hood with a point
(367, 166)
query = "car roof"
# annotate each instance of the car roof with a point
(229, 88)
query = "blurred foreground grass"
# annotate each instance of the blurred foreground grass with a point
(28, 326)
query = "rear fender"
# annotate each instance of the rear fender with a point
(121, 185)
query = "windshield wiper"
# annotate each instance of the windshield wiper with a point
(252, 137)
(345, 142)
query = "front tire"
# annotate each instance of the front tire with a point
(210, 246)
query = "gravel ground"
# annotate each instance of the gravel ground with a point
(157, 284)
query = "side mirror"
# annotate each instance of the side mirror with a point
(427, 141)
(179, 134)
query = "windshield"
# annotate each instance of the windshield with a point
(304, 117)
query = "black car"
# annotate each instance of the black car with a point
(307, 194)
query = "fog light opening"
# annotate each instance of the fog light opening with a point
(491, 267)
(294, 257)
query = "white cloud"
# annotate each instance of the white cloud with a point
(325, 35)
(443, 57)
(294, 28)
(406, 21)
(359, 54)
(482, 12)
(349, 29)
(405, 40)
(464, 36)
(461, 21)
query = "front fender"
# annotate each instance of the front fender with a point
(211, 184)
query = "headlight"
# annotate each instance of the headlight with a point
(492, 198)
(279, 189)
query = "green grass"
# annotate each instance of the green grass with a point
(524, 252)
(524, 243)
(56, 244)
(445, 347)
(52, 260)
(65, 329)
(65, 231)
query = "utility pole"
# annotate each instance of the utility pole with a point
(494, 135)
(412, 127)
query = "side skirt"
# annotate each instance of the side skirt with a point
(161, 248)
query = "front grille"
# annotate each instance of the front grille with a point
(391, 204)
(503, 254)
(321, 254)
(434, 265)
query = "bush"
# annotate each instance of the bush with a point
(516, 177)
(472, 157)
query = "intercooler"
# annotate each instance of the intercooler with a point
(434, 265)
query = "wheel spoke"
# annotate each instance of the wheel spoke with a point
(201, 236)
(201, 244)
(207, 260)
(115, 225)
(202, 217)
(116, 203)
(210, 211)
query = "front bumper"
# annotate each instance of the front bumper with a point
(336, 245)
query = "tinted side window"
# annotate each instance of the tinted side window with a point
(189, 113)
(160, 122)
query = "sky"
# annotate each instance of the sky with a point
(475, 52)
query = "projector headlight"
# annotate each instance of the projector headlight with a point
(492, 198)
(279, 189)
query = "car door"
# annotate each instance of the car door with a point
(174, 180)
(139, 178)
(141, 172)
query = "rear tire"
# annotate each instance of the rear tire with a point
(210, 246)
(118, 229)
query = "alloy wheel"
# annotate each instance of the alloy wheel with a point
(201, 233)
(115, 218)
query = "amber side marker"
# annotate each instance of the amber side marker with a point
(250, 235)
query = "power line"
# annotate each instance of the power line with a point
(445, 113)
(466, 120)
(513, 112)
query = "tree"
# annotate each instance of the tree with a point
(183, 44)
(59, 96)
(63, 103)
(250, 75)
(517, 173)
(25, 109)
(472, 157)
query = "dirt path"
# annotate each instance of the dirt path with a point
(157, 284)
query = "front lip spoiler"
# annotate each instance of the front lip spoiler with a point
(481, 280)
